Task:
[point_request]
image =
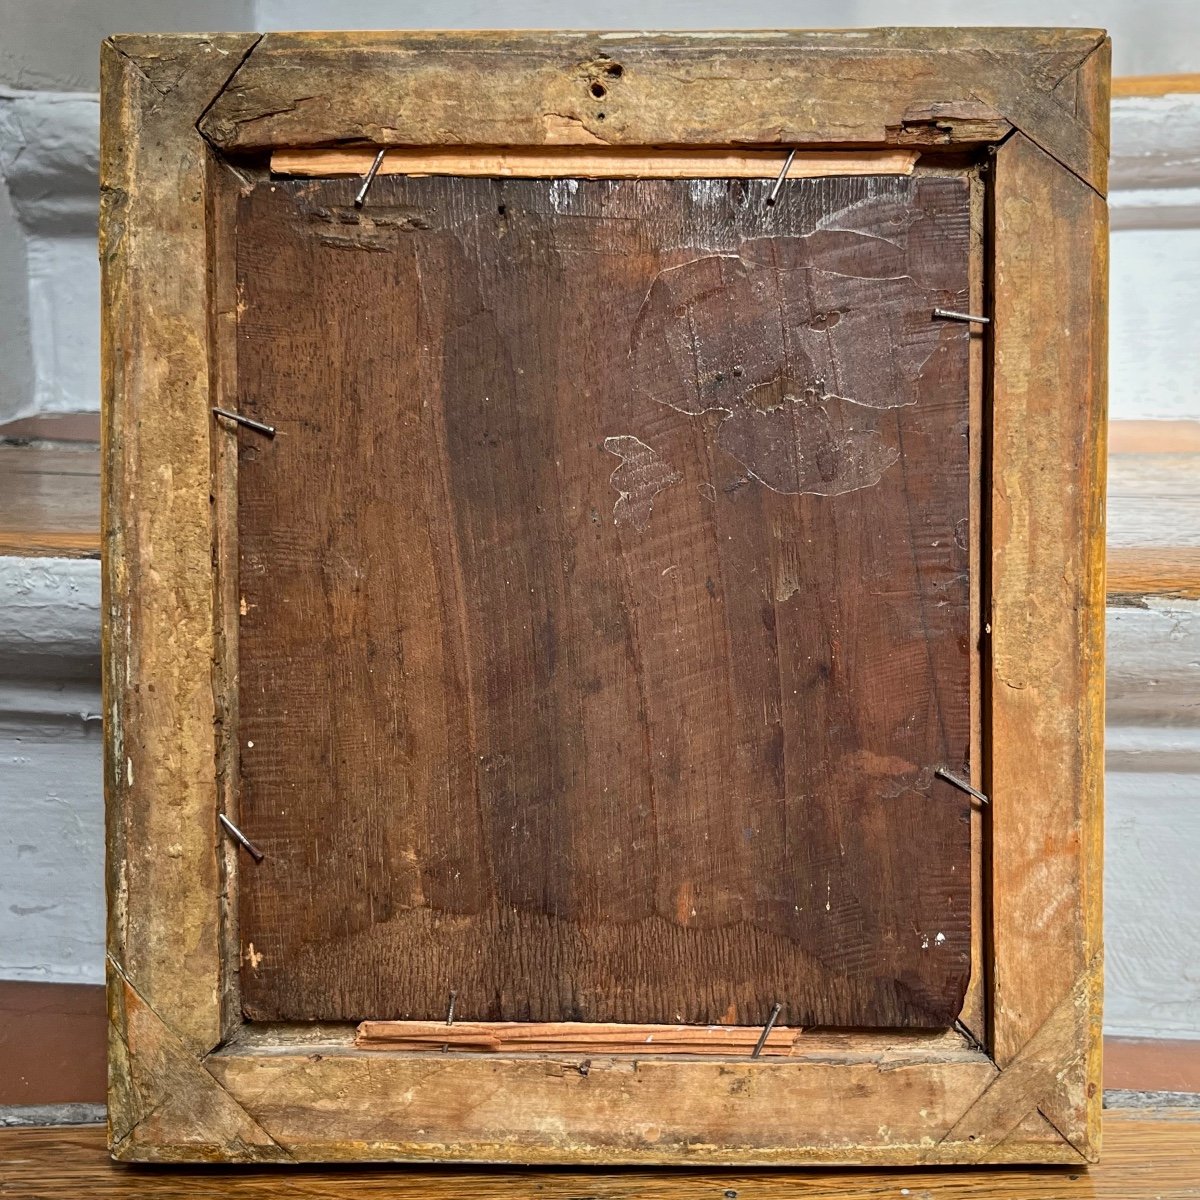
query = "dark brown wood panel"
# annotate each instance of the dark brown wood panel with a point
(604, 600)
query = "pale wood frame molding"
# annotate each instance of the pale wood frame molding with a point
(189, 1081)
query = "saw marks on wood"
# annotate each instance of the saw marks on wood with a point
(605, 600)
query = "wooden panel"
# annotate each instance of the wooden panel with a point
(605, 600)
(1172, 571)
(166, 1099)
(603, 162)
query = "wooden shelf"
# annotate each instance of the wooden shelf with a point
(50, 505)
(50, 501)
(1152, 1153)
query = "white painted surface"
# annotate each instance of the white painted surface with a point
(52, 838)
(1155, 169)
(1152, 897)
(49, 167)
(1152, 821)
(1155, 356)
(1154, 670)
(54, 45)
(1154, 500)
(1149, 36)
(49, 620)
(51, 809)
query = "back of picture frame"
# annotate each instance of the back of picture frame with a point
(596, 627)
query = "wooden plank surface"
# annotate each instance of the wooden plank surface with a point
(1047, 643)
(862, 88)
(1149, 1155)
(1167, 571)
(604, 162)
(163, 874)
(655, 1109)
(1156, 85)
(599, 640)
(50, 501)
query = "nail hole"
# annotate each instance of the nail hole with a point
(615, 70)
(599, 116)
(598, 90)
(502, 209)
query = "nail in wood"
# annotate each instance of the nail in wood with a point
(361, 198)
(450, 1018)
(766, 1033)
(787, 166)
(241, 839)
(257, 426)
(961, 784)
(948, 314)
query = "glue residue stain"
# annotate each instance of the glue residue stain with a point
(802, 347)
(640, 477)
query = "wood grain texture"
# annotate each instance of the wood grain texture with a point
(163, 1106)
(1168, 571)
(604, 675)
(224, 185)
(1156, 85)
(893, 1105)
(1047, 690)
(49, 501)
(1152, 1064)
(1149, 1155)
(874, 88)
(569, 1037)
(157, 545)
(604, 162)
(1154, 510)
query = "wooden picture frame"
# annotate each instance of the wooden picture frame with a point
(1018, 1078)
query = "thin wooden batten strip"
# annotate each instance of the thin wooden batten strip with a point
(617, 162)
(567, 1037)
